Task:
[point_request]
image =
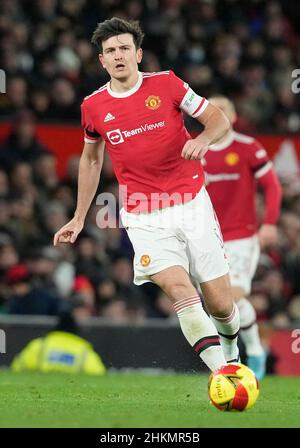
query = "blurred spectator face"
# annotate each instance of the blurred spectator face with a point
(25, 127)
(228, 66)
(68, 62)
(294, 308)
(119, 56)
(273, 283)
(5, 211)
(10, 61)
(260, 302)
(208, 10)
(8, 256)
(122, 271)
(134, 9)
(282, 56)
(227, 45)
(225, 105)
(107, 290)
(286, 97)
(40, 101)
(275, 28)
(22, 209)
(20, 34)
(46, 8)
(290, 223)
(63, 93)
(42, 37)
(55, 216)
(4, 185)
(48, 68)
(198, 76)
(86, 248)
(17, 92)
(116, 311)
(72, 168)
(280, 321)
(66, 38)
(21, 176)
(64, 195)
(83, 286)
(18, 279)
(195, 53)
(72, 8)
(256, 49)
(9, 7)
(84, 49)
(42, 267)
(45, 170)
(151, 62)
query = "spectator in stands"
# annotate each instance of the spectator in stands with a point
(26, 299)
(22, 144)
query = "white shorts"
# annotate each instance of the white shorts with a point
(243, 256)
(187, 235)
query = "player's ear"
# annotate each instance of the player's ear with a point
(101, 60)
(233, 117)
(139, 55)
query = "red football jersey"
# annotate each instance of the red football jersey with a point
(232, 169)
(144, 133)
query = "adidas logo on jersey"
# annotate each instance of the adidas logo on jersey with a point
(109, 117)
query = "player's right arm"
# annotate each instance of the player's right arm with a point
(90, 166)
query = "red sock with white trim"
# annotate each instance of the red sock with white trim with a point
(200, 332)
(228, 329)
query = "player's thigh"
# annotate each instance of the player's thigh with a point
(218, 296)
(204, 240)
(155, 249)
(243, 256)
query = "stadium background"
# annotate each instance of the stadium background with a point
(244, 49)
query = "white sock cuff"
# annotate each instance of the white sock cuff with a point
(182, 304)
(230, 318)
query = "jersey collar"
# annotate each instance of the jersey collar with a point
(224, 144)
(134, 89)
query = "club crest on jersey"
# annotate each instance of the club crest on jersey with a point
(145, 260)
(232, 158)
(153, 102)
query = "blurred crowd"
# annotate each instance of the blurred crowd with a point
(246, 50)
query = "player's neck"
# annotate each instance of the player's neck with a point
(123, 85)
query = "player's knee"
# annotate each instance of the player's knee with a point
(222, 308)
(238, 293)
(178, 291)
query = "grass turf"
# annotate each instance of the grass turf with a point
(121, 400)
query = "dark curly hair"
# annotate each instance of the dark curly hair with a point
(114, 27)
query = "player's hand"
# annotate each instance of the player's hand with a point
(267, 235)
(69, 232)
(195, 149)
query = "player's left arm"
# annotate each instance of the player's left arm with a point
(215, 123)
(267, 179)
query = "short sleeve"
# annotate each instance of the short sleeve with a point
(90, 134)
(258, 159)
(185, 98)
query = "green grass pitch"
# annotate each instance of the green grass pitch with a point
(129, 400)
